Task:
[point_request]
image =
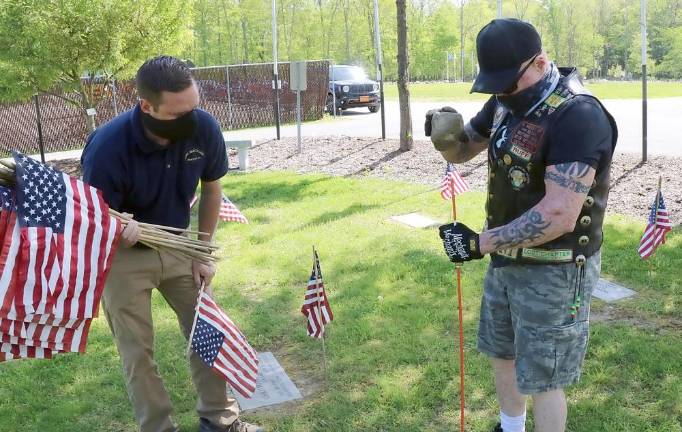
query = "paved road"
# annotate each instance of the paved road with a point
(664, 136)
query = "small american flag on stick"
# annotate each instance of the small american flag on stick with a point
(223, 347)
(315, 304)
(228, 211)
(452, 183)
(657, 227)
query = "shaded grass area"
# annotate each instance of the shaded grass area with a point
(391, 349)
(441, 91)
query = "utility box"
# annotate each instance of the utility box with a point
(298, 79)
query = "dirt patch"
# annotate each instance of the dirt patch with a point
(611, 314)
(633, 184)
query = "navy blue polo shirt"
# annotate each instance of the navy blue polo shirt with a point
(155, 183)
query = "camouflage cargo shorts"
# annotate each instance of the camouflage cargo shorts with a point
(526, 316)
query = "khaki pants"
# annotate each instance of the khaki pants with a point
(127, 305)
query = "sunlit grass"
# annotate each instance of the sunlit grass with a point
(391, 349)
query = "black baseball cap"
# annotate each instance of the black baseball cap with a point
(502, 47)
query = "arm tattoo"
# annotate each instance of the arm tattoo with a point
(567, 182)
(528, 227)
(573, 169)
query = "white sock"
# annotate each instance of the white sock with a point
(513, 424)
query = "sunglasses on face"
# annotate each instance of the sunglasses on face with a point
(514, 86)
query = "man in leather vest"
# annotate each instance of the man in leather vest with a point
(549, 145)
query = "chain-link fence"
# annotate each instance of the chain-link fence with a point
(238, 96)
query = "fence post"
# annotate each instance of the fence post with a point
(229, 97)
(40, 129)
(113, 94)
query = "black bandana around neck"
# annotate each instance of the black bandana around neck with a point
(524, 101)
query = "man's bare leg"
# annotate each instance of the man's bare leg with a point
(549, 411)
(511, 401)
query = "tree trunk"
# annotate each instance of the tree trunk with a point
(406, 142)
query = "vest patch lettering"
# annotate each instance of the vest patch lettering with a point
(555, 255)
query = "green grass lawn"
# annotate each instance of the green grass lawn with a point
(391, 349)
(443, 92)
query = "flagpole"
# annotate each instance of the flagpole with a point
(458, 267)
(319, 312)
(658, 199)
(196, 316)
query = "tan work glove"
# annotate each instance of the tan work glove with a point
(445, 126)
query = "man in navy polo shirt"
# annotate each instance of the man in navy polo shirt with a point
(148, 162)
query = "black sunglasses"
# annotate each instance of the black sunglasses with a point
(514, 86)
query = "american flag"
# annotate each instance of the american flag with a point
(452, 183)
(315, 304)
(658, 226)
(223, 347)
(228, 211)
(58, 241)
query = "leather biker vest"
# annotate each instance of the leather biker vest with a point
(516, 162)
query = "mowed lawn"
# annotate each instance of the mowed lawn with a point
(458, 91)
(391, 348)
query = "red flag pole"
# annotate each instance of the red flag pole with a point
(458, 267)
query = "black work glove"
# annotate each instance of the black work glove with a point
(460, 242)
(429, 116)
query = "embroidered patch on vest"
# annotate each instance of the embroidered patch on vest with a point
(509, 253)
(554, 100)
(497, 119)
(526, 139)
(523, 154)
(518, 177)
(552, 255)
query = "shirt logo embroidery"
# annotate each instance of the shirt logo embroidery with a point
(193, 155)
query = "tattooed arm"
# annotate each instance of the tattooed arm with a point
(566, 186)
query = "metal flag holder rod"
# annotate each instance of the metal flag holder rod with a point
(458, 267)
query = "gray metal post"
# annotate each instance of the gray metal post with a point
(298, 118)
(461, 35)
(333, 93)
(113, 96)
(644, 93)
(380, 72)
(275, 68)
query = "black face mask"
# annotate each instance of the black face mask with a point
(524, 100)
(177, 129)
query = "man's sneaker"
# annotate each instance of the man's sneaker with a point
(237, 426)
(498, 428)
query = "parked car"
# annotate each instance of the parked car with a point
(353, 89)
